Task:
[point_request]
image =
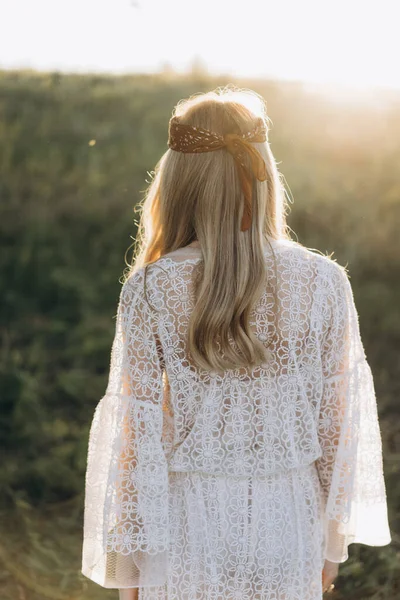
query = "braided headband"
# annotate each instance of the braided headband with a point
(189, 139)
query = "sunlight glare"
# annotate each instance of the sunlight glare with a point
(355, 42)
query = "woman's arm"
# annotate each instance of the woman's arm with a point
(129, 594)
(350, 468)
(126, 496)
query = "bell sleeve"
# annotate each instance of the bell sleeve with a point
(125, 534)
(350, 468)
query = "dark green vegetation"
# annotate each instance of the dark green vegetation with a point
(66, 217)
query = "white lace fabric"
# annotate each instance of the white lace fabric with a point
(202, 485)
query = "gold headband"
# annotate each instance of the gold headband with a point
(189, 139)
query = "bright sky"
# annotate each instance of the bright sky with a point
(353, 42)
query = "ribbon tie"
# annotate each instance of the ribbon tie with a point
(189, 139)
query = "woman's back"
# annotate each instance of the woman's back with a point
(256, 420)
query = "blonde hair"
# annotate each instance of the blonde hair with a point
(198, 196)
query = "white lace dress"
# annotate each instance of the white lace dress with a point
(201, 486)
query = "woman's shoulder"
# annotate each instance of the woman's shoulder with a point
(153, 277)
(323, 264)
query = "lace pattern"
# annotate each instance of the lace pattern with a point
(175, 451)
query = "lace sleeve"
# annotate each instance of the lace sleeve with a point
(126, 495)
(350, 468)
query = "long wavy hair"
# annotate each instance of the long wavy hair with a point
(199, 197)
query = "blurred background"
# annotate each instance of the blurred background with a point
(86, 91)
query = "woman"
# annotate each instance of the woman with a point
(237, 452)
